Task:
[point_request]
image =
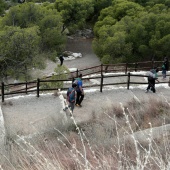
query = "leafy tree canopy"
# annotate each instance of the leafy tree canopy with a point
(74, 12)
(42, 23)
(48, 19)
(18, 50)
(2, 7)
(151, 3)
(133, 32)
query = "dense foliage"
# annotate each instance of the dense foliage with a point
(18, 49)
(74, 12)
(3, 6)
(124, 30)
(26, 31)
(128, 31)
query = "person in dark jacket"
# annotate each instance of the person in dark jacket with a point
(61, 60)
(152, 77)
(164, 70)
(165, 67)
(166, 62)
(80, 91)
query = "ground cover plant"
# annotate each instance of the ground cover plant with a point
(125, 136)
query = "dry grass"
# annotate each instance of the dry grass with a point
(99, 143)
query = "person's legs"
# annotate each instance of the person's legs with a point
(153, 86)
(163, 74)
(149, 85)
(61, 62)
(71, 106)
(81, 98)
(65, 108)
(78, 96)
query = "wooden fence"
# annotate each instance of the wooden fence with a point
(122, 67)
(36, 86)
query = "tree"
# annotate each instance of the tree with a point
(151, 3)
(98, 6)
(2, 7)
(18, 50)
(142, 32)
(52, 39)
(25, 15)
(112, 45)
(61, 72)
(74, 13)
(112, 32)
(48, 19)
(120, 9)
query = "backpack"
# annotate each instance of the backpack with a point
(152, 74)
(75, 81)
(163, 67)
(71, 95)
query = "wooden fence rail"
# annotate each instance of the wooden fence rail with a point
(123, 67)
(37, 87)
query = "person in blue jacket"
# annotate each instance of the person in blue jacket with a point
(71, 97)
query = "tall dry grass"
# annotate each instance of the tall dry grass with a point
(117, 139)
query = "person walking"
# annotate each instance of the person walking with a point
(152, 77)
(165, 67)
(79, 90)
(71, 97)
(163, 71)
(61, 60)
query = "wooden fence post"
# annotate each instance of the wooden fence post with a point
(101, 69)
(101, 83)
(128, 81)
(26, 87)
(106, 68)
(126, 68)
(153, 62)
(2, 91)
(77, 72)
(38, 87)
(136, 65)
